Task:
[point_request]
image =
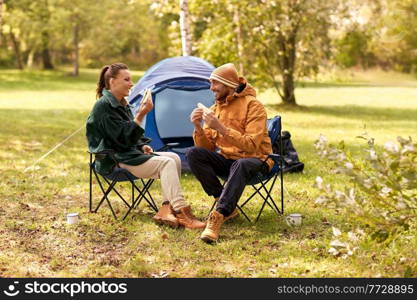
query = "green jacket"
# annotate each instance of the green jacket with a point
(110, 125)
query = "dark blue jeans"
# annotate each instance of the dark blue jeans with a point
(207, 166)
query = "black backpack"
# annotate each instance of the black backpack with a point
(292, 163)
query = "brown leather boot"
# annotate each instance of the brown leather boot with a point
(188, 220)
(212, 230)
(165, 216)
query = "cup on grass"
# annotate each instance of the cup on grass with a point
(294, 219)
(72, 218)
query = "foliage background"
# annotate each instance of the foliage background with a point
(141, 32)
(354, 65)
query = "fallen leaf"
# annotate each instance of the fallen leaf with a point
(337, 243)
(161, 274)
(333, 251)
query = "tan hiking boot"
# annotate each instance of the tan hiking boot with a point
(188, 220)
(165, 216)
(234, 213)
(212, 230)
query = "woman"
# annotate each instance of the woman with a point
(111, 125)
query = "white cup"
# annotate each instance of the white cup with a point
(294, 219)
(72, 218)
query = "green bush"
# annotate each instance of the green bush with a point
(381, 192)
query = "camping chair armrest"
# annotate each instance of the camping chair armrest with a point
(167, 147)
(103, 153)
(276, 158)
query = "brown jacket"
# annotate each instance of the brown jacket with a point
(246, 135)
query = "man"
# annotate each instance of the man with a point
(233, 143)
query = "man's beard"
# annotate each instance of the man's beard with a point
(219, 97)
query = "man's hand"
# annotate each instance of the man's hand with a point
(196, 117)
(147, 149)
(213, 122)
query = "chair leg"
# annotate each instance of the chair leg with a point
(142, 196)
(268, 198)
(268, 193)
(145, 191)
(282, 191)
(107, 199)
(148, 185)
(91, 183)
(243, 213)
(105, 193)
(133, 195)
(212, 207)
(118, 194)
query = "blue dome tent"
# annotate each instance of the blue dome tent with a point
(177, 85)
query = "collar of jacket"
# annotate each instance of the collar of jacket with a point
(248, 90)
(112, 100)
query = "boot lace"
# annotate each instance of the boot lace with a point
(213, 222)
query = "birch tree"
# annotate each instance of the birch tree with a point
(185, 28)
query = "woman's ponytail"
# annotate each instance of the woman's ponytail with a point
(101, 84)
(107, 72)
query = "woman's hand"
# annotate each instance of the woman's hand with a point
(147, 149)
(145, 107)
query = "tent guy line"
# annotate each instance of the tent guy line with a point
(53, 149)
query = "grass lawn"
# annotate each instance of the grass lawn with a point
(39, 109)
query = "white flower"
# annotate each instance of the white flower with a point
(349, 165)
(372, 155)
(367, 183)
(339, 195)
(321, 200)
(319, 181)
(336, 231)
(391, 147)
(385, 191)
(401, 205)
(341, 156)
(352, 236)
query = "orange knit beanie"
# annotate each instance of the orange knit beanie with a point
(226, 74)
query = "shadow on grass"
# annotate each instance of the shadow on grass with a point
(354, 112)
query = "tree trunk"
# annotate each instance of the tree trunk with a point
(185, 28)
(76, 49)
(288, 87)
(45, 16)
(46, 57)
(29, 62)
(16, 48)
(287, 68)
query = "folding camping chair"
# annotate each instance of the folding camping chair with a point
(260, 180)
(111, 180)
